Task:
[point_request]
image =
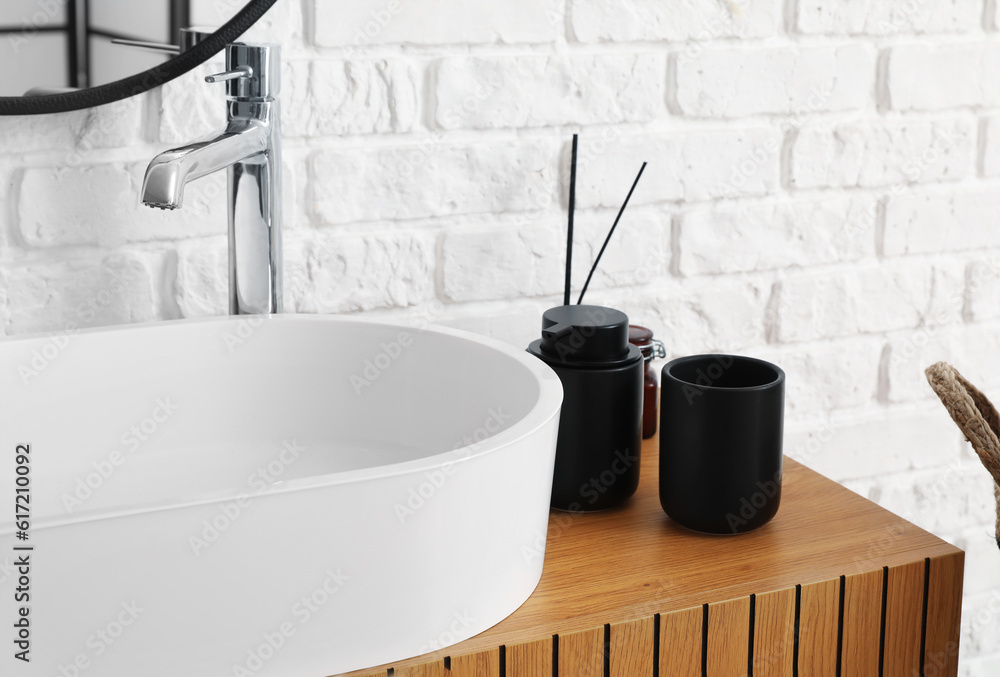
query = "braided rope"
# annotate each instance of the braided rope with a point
(975, 416)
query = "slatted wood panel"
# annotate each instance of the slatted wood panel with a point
(485, 664)
(434, 669)
(582, 653)
(862, 624)
(680, 643)
(819, 610)
(632, 646)
(729, 638)
(647, 565)
(774, 634)
(530, 659)
(944, 614)
(904, 620)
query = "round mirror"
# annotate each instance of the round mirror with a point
(61, 55)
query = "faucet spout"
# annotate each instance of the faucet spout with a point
(249, 149)
(169, 172)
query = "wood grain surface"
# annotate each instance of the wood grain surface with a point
(530, 659)
(681, 642)
(483, 664)
(729, 638)
(862, 624)
(944, 614)
(904, 619)
(774, 634)
(632, 648)
(819, 617)
(633, 564)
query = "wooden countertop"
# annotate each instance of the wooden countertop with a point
(633, 562)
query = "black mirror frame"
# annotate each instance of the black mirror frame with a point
(140, 82)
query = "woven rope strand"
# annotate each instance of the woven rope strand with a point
(975, 416)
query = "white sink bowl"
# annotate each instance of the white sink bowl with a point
(289, 495)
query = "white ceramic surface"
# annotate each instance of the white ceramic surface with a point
(290, 495)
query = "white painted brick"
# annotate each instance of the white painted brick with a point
(201, 284)
(938, 76)
(531, 91)
(333, 98)
(77, 134)
(503, 261)
(883, 18)
(991, 145)
(632, 20)
(982, 559)
(637, 255)
(189, 107)
(517, 261)
(64, 294)
(323, 274)
(4, 305)
(974, 350)
(980, 618)
(939, 221)
(979, 357)
(282, 24)
(8, 184)
(434, 22)
(730, 238)
(512, 322)
(734, 82)
(692, 167)
(827, 376)
(121, 217)
(349, 273)
(982, 279)
(978, 666)
(912, 352)
(939, 500)
(720, 315)
(433, 179)
(946, 303)
(875, 153)
(867, 299)
(294, 184)
(516, 322)
(846, 446)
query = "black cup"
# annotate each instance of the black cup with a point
(721, 419)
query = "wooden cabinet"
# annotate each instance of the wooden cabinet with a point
(833, 585)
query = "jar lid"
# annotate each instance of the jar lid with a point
(584, 335)
(642, 337)
(639, 336)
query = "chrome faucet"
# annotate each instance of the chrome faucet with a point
(250, 149)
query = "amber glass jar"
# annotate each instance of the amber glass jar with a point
(650, 348)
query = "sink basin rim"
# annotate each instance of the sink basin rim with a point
(546, 407)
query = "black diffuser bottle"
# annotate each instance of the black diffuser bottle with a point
(597, 455)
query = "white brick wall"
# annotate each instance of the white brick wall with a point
(823, 191)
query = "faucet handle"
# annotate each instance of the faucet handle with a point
(238, 72)
(252, 71)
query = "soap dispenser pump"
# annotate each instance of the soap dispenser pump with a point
(597, 453)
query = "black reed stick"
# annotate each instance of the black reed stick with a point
(569, 230)
(610, 233)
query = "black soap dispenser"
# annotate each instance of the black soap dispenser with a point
(597, 454)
